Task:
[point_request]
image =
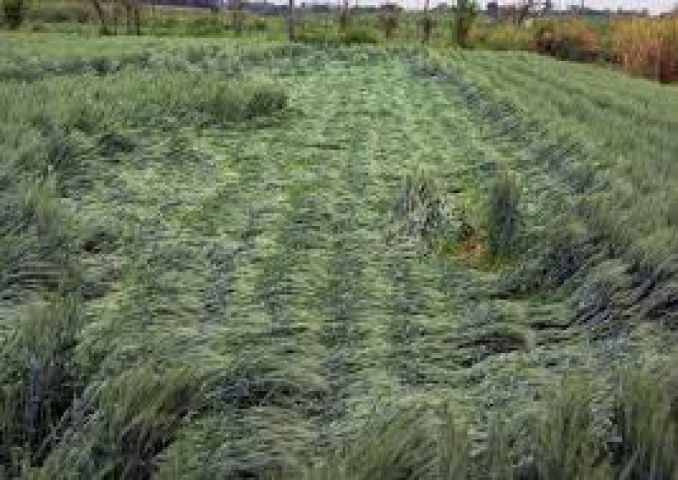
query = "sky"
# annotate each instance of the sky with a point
(654, 6)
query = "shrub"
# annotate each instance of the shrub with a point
(503, 222)
(354, 35)
(59, 12)
(569, 40)
(265, 101)
(351, 35)
(255, 23)
(14, 12)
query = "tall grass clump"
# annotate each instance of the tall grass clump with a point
(121, 425)
(421, 443)
(648, 47)
(239, 101)
(565, 442)
(504, 36)
(646, 416)
(161, 98)
(40, 379)
(39, 283)
(503, 216)
(420, 212)
(579, 430)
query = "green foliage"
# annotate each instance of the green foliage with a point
(566, 445)
(125, 424)
(388, 22)
(39, 380)
(58, 12)
(571, 40)
(14, 12)
(420, 212)
(563, 440)
(503, 216)
(501, 36)
(413, 443)
(557, 260)
(466, 14)
(427, 25)
(185, 296)
(647, 421)
(355, 35)
(352, 35)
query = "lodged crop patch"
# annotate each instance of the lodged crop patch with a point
(230, 261)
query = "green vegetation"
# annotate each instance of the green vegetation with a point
(14, 12)
(642, 46)
(467, 11)
(228, 259)
(503, 224)
(560, 441)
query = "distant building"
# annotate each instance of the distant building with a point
(321, 8)
(260, 8)
(188, 3)
(263, 8)
(493, 9)
(390, 7)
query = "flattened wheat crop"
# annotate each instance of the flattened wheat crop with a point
(231, 261)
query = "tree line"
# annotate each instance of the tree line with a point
(114, 15)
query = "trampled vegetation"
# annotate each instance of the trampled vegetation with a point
(221, 260)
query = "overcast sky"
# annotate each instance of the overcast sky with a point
(654, 6)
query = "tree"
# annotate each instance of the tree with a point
(426, 23)
(388, 21)
(523, 11)
(101, 16)
(238, 16)
(344, 18)
(132, 16)
(467, 10)
(132, 12)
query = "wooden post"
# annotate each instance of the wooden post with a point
(290, 21)
(427, 24)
